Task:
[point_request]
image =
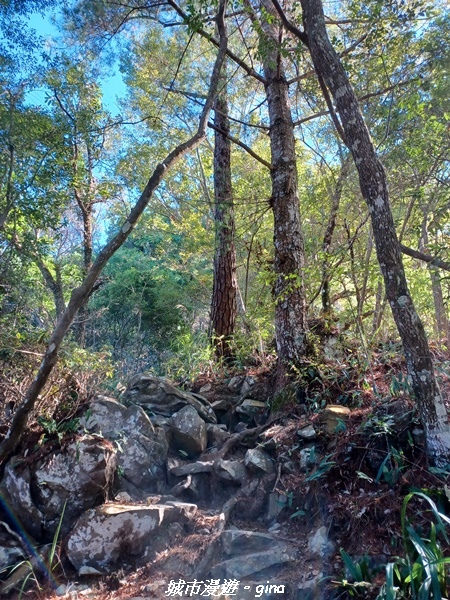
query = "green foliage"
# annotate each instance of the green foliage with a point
(325, 465)
(51, 427)
(191, 354)
(391, 467)
(359, 573)
(400, 385)
(144, 305)
(421, 574)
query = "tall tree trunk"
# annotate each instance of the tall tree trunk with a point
(86, 206)
(289, 261)
(223, 303)
(328, 237)
(441, 319)
(374, 189)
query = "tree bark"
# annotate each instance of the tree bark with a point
(374, 189)
(441, 320)
(289, 260)
(328, 237)
(432, 260)
(54, 284)
(80, 294)
(223, 303)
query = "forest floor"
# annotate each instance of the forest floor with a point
(367, 468)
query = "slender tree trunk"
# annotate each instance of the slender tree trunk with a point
(7, 204)
(80, 294)
(223, 303)
(328, 237)
(86, 207)
(54, 284)
(379, 309)
(289, 261)
(441, 324)
(84, 199)
(374, 189)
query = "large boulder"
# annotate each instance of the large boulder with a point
(71, 479)
(238, 541)
(142, 448)
(232, 471)
(162, 398)
(188, 432)
(115, 535)
(258, 563)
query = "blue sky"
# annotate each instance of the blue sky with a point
(112, 86)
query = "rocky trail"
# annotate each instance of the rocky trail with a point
(169, 493)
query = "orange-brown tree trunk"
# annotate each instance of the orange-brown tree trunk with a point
(289, 258)
(223, 303)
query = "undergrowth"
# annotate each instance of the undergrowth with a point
(420, 573)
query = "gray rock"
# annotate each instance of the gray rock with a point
(16, 491)
(142, 448)
(237, 542)
(288, 466)
(249, 382)
(307, 457)
(11, 547)
(235, 384)
(222, 404)
(252, 503)
(251, 407)
(161, 397)
(112, 535)
(159, 421)
(310, 589)
(258, 461)
(240, 427)
(319, 543)
(61, 590)
(191, 468)
(89, 571)
(230, 470)
(123, 497)
(307, 433)
(77, 476)
(217, 434)
(241, 567)
(277, 502)
(175, 530)
(188, 431)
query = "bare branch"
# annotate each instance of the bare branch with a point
(234, 57)
(385, 90)
(432, 260)
(312, 72)
(243, 146)
(301, 35)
